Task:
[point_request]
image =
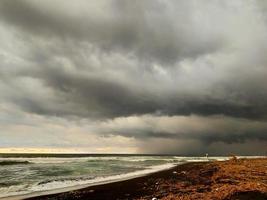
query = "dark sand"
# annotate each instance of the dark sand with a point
(244, 179)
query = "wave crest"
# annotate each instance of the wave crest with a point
(14, 162)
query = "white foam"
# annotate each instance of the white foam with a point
(68, 183)
(56, 160)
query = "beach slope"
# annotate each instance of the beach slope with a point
(236, 179)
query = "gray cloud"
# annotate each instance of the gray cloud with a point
(206, 129)
(116, 59)
(196, 148)
(152, 30)
(190, 135)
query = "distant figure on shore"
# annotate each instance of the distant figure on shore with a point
(207, 156)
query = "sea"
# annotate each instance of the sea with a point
(25, 174)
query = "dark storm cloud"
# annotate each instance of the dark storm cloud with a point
(207, 138)
(135, 28)
(191, 135)
(147, 29)
(116, 59)
(143, 33)
(207, 130)
(104, 98)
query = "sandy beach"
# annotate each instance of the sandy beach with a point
(241, 179)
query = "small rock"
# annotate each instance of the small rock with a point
(91, 191)
(154, 198)
(174, 172)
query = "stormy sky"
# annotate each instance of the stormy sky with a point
(127, 76)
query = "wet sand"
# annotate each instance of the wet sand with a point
(242, 179)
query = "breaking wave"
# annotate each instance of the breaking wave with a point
(14, 162)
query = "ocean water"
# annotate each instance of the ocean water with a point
(26, 174)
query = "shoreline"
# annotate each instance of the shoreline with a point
(106, 180)
(188, 180)
(223, 180)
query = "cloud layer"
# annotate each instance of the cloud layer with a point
(165, 72)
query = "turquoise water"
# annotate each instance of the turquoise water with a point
(26, 174)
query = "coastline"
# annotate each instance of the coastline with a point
(222, 180)
(102, 181)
